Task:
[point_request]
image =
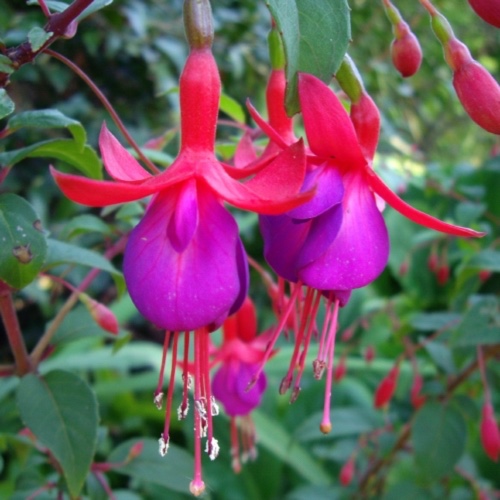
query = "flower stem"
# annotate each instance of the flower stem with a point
(14, 335)
(114, 115)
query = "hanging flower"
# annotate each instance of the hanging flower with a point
(184, 264)
(238, 356)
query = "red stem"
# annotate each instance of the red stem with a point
(14, 335)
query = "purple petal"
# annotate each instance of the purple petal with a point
(229, 386)
(193, 288)
(184, 220)
(329, 192)
(360, 251)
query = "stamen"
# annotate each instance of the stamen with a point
(158, 394)
(163, 445)
(235, 447)
(212, 448)
(184, 407)
(275, 336)
(171, 387)
(326, 425)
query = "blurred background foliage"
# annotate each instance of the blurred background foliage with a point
(429, 150)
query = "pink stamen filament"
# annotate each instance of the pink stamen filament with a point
(294, 363)
(185, 378)
(235, 447)
(275, 336)
(171, 386)
(159, 387)
(311, 318)
(326, 424)
(197, 485)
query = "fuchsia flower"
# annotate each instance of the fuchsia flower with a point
(239, 355)
(184, 264)
(337, 241)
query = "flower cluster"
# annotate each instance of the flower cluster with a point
(186, 268)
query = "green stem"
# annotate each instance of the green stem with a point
(14, 335)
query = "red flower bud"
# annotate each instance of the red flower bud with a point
(488, 10)
(490, 435)
(340, 370)
(347, 334)
(417, 400)
(386, 388)
(347, 472)
(369, 354)
(405, 51)
(432, 263)
(403, 268)
(443, 274)
(484, 275)
(476, 89)
(101, 314)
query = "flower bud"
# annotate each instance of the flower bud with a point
(484, 275)
(347, 472)
(340, 370)
(490, 435)
(443, 274)
(488, 10)
(405, 51)
(386, 388)
(198, 23)
(433, 262)
(101, 314)
(479, 94)
(417, 400)
(369, 354)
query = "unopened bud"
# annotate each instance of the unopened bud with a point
(403, 268)
(135, 451)
(405, 51)
(432, 262)
(443, 274)
(101, 314)
(417, 400)
(340, 370)
(369, 354)
(347, 334)
(488, 10)
(490, 435)
(198, 23)
(484, 275)
(386, 388)
(347, 472)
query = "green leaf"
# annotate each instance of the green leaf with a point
(487, 259)
(315, 36)
(232, 108)
(174, 471)
(84, 224)
(7, 105)
(429, 322)
(37, 37)
(56, 6)
(438, 434)
(6, 65)
(67, 150)
(23, 246)
(61, 410)
(274, 437)
(65, 253)
(48, 118)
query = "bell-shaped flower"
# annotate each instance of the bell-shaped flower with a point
(238, 356)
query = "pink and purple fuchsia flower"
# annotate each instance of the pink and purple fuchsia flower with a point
(184, 264)
(239, 355)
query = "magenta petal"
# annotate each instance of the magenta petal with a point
(329, 191)
(194, 288)
(360, 251)
(119, 163)
(229, 386)
(184, 221)
(329, 129)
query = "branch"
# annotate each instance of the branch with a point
(58, 25)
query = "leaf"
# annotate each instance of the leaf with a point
(429, 322)
(48, 118)
(84, 224)
(232, 108)
(23, 246)
(487, 259)
(37, 37)
(6, 65)
(315, 36)
(67, 150)
(7, 105)
(61, 411)
(56, 6)
(438, 434)
(65, 253)
(172, 471)
(441, 355)
(274, 437)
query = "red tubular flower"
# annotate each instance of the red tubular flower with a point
(490, 435)
(386, 388)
